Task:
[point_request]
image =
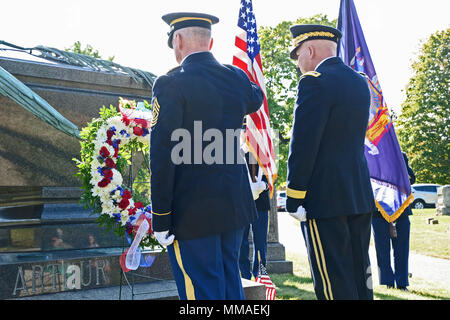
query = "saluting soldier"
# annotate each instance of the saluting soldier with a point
(328, 178)
(200, 208)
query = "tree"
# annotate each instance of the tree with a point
(424, 122)
(281, 79)
(88, 50)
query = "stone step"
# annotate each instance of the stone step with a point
(279, 267)
(157, 290)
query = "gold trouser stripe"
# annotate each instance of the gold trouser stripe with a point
(317, 259)
(189, 18)
(316, 230)
(190, 294)
(296, 194)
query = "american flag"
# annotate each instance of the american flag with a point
(263, 277)
(248, 58)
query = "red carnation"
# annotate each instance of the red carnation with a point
(126, 194)
(109, 133)
(132, 212)
(126, 120)
(138, 131)
(104, 152)
(110, 163)
(138, 205)
(142, 122)
(107, 173)
(104, 182)
(124, 203)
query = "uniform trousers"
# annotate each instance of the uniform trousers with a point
(338, 252)
(259, 236)
(207, 268)
(400, 246)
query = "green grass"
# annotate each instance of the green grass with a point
(431, 240)
(299, 286)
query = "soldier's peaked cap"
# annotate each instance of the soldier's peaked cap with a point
(305, 32)
(180, 20)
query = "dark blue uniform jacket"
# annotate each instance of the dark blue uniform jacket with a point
(327, 169)
(197, 198)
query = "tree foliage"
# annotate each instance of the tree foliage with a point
(281, 79)
(88, 50)
(424, 122)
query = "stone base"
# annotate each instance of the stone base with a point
(33, 274)
(276, 259)
(443, 211)
(158, 290)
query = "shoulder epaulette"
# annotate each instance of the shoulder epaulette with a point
(173, 69)
(363, 74)
(314, 74)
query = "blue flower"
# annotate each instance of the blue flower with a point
(124, 133)
(115, 143)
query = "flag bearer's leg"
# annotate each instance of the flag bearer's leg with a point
(383, 248)
(260, 230)
(401, 251)
(244, 259)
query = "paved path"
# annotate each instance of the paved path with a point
(421, 266)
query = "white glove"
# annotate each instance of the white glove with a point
(300, 215)
(163, 238)
(257, 188)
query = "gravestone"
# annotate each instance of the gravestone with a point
(47, 239)
(443, 201)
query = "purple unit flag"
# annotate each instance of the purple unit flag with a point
(388, 173)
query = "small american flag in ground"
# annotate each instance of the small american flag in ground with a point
(263, 277)
(248, 58)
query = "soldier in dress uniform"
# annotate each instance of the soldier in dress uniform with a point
(200, 208)
(384, 235)
(259, 228)
(328, 178)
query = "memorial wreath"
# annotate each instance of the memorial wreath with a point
(106, 148)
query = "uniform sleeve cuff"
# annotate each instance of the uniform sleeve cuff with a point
(293, 204)
(296, 194)
(161, 221)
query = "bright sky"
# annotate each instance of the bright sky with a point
(135, 34)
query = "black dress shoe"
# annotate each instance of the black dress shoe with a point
(402, 289)
(390, 287)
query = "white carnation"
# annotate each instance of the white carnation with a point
(101, 135)
(124, 216)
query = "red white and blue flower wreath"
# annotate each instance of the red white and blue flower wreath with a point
(105, 149)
